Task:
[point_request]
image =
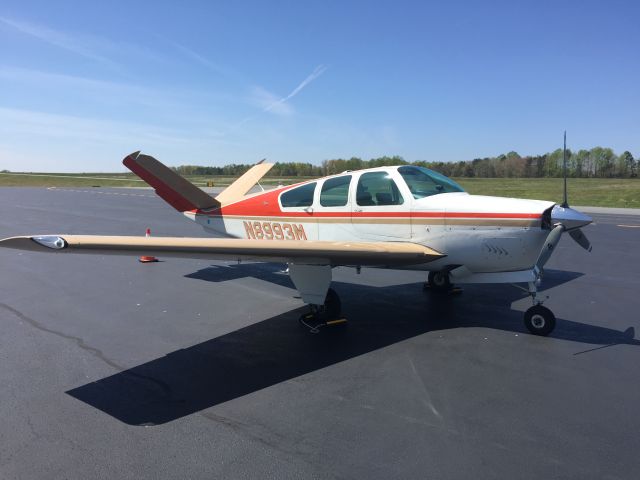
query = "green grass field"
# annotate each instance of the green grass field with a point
(113, 180)
(582, 191)
(595, 192)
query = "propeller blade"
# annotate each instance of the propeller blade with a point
(581, 239)
(549, 246)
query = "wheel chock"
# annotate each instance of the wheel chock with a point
(337, 321)
(314, 324)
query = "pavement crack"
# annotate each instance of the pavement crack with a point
(77, 340)
(96, 352)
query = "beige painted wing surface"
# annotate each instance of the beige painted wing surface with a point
(311, 252)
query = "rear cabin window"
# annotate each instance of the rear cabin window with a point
(298, 197)
(335, 192)
(377, 189)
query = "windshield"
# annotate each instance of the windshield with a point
(423, 182)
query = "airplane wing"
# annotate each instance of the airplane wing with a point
(306, 252)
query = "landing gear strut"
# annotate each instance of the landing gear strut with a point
(538, 319)
(332, 305)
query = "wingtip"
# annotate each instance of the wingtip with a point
(36, 243)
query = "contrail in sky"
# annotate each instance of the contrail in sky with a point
(58, 39)
(319, 70)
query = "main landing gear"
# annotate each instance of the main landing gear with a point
(327, 314)
(440, 282)
(538, 319)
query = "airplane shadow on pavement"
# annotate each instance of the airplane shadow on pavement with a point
(278, 349)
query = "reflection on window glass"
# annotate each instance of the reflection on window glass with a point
(335, 192)
(377, 188)
(298, 197)
(423, 182)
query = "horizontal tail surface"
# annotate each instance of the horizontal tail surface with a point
(242, 185)
(171, 187)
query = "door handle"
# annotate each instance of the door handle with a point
(357, 210)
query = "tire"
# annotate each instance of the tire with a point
(539, 320)
(332, 304)
(439, 281)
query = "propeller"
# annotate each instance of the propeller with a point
(564, 219)
(549, 246)
(581, 239)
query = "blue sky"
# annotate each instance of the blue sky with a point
(82, 84)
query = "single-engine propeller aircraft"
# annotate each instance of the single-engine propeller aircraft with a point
(402, 217)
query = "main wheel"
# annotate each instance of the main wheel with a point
(539, 320)
(439, 281)
(332, 304)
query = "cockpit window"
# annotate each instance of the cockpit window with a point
(298, 197)
(423, 182)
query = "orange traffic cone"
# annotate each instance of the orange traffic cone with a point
(147, 258)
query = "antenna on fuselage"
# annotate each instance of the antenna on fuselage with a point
(565, 203)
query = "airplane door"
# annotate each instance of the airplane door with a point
(379, 210)
(333, 209)
(428, 210)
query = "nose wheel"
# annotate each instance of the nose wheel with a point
(539, 320)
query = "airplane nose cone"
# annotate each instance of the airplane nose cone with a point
(570, 218)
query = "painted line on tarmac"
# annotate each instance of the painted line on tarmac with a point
(98, 192)
(629, 226)
(80, 177)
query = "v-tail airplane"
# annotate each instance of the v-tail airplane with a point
(401, 217)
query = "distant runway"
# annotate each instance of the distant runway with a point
(188, 369)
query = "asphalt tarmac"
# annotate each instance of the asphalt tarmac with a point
(188, 369)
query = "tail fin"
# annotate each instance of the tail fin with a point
(242, 185)
(171, 187)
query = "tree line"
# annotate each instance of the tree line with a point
(599, 162)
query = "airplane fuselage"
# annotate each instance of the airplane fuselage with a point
(486, 234)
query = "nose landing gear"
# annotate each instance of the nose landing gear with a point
(538, 319)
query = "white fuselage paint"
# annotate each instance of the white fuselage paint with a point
(486, 234)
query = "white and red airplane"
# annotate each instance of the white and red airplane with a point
(403, 217)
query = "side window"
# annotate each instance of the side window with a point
(377, 188)
(335, 192)
(301, 196)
